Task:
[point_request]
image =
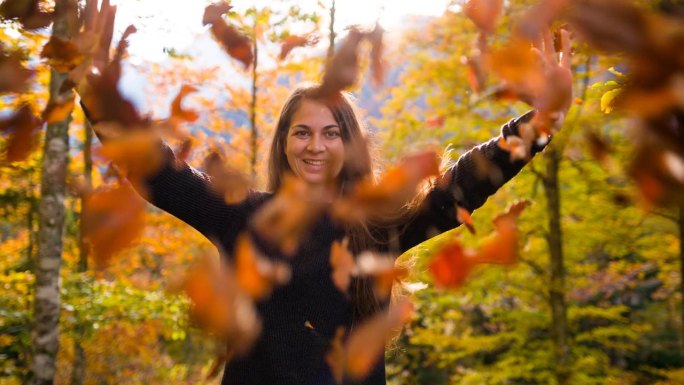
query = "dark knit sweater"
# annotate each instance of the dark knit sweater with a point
(287, 352)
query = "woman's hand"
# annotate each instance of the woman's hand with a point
(555, 95)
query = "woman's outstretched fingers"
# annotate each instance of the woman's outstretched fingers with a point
(565, 49)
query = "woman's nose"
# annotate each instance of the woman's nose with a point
(316, 144)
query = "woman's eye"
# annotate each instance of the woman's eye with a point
(332, 134)
(301, 133)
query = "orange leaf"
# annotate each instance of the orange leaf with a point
(450, 266)
(137, 153)
(518, 65)
(218, 305)
(343, 265)
(177, 111)
(113, 218)
(58, 110)
(484, 13)
(366, 344)
(255, 274)
(501, 247)
(464, 217)
(232, 185)
(335, 357)
(395, 188)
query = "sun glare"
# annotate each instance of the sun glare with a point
(164, 24)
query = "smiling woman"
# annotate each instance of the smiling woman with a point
(320, 156)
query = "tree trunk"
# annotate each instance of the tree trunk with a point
(51, 225)
(559, 327)
(331, 36)
(253, 104)
(79, 365)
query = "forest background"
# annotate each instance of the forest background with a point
(596, 295)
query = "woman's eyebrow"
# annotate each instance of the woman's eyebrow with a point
(301, 125)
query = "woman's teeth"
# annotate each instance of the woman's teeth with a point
(314, 162)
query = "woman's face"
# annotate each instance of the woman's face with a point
(314, 146)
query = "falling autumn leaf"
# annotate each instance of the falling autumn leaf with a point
(177, 111)
(235, 43)
(335, 357)
(286, 218)
(376, 54)
(27, 12)
(452, 263)
(293, 41)
(256, 275)
(366, 343)
(395, 188)
(343, 265)
(342, 70)
(501, 247)
(464, 217)
(137, 153)
(62, 55)
(450, 266)
(114, 217)
(383, 270)
(484, 13)
(218, 305)
(227, 182)
(13, 75)
(518, 65)
(59, 109)
(22, 127)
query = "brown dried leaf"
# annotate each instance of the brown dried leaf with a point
(293, 41)
(342, 70)
(286, 218)
(62, 55)
(234, 42)
(13, 75)
(27, 12)
(23, 128)
(377, 63)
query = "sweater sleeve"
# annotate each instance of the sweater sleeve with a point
(187, 194)
(468, 183)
